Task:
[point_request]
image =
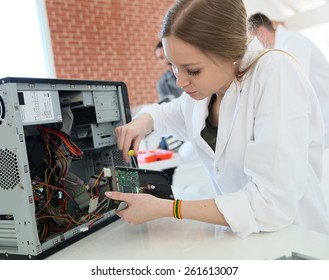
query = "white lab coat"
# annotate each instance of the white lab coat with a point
(267, 164)
(314, 63)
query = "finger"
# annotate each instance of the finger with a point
(136, 144)
(115, 195)
(127, 146)
(120, 137)
(122, 140)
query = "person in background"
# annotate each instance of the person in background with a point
(166, 85)
(252, 117)
(312, 60)
(167, 91)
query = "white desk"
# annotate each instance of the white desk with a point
(169, 239)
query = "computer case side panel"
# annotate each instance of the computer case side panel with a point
(38, 117)
(18, 231)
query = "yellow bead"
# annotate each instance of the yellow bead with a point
(131, 153)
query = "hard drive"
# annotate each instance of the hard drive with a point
(136, 180)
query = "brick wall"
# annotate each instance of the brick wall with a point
(108, 40)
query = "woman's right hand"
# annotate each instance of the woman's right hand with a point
(131, 134)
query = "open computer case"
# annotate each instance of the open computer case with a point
(57, 154)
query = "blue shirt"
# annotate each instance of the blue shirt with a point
(167, 87)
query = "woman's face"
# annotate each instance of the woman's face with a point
(198, 74)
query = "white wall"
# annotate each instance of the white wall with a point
(22, 52)
(319, 34)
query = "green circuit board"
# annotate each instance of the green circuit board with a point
(127, 181)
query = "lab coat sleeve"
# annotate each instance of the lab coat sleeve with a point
(168, 118)
(277, 158)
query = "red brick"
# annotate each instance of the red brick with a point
(108, 40)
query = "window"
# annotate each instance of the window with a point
(25, 45)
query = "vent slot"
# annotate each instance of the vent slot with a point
(2, 110)
(9, 174)
(117, 158)
(8, 239)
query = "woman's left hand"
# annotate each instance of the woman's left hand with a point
(141, 207)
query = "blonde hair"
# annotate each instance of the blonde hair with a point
(218, 27)
(214, 26)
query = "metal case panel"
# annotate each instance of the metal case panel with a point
(24, 158)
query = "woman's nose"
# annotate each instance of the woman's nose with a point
(181, 79)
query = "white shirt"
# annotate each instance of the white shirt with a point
(314, 63)
(267, 164)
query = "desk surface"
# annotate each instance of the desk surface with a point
(169, 239)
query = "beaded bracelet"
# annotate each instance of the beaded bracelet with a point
(177, 209)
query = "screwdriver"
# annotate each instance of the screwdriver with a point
(131, 153)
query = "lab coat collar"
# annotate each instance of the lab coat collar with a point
(201, 113)
(254, 49)
(229, 108)
(230, 105)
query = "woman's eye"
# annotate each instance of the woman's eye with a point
(193, 73)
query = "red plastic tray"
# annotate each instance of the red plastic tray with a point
(154, 155)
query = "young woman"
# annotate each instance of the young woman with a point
(252, 116)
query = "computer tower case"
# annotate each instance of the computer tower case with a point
(57, 154)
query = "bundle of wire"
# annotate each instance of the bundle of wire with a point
(50, 195)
